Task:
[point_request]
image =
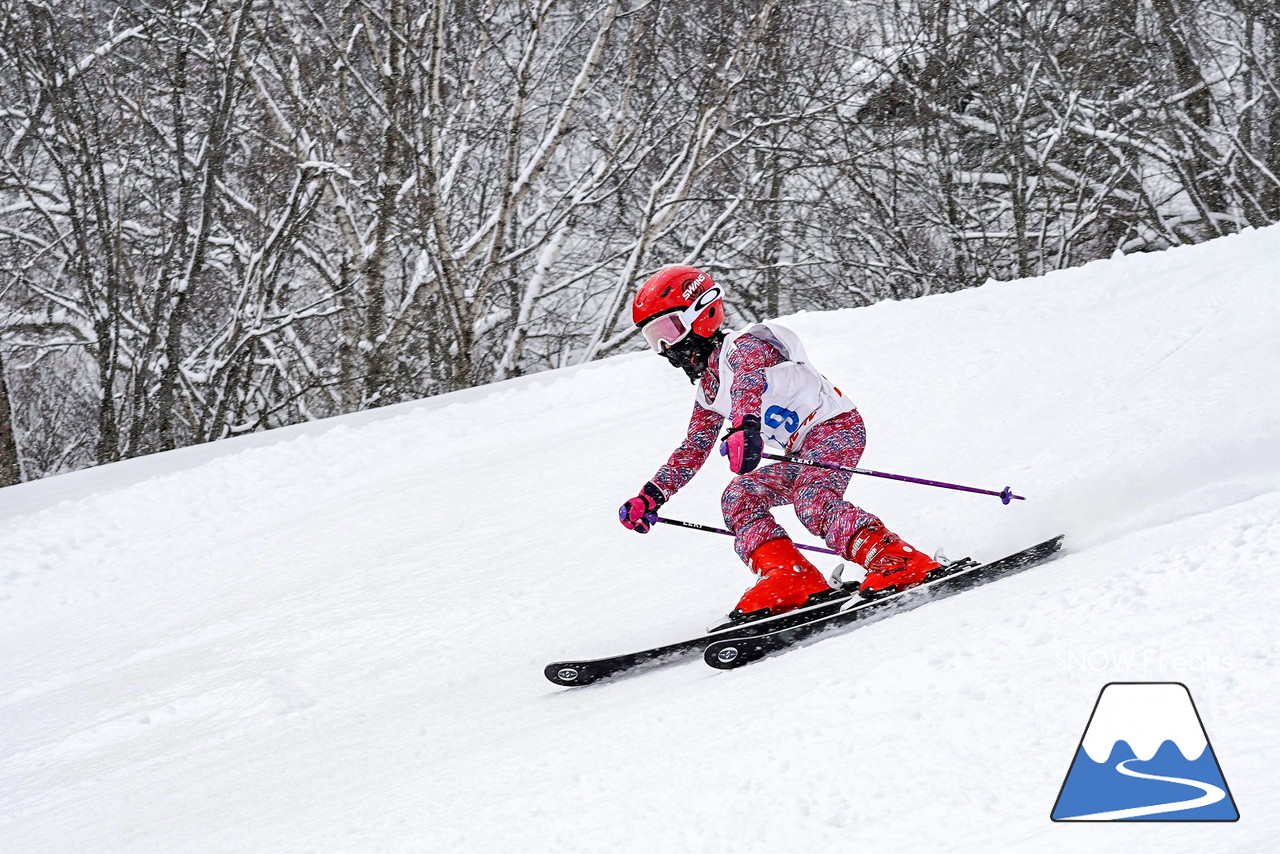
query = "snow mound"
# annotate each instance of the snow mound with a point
(331, 637)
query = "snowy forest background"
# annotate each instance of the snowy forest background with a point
(224, 216)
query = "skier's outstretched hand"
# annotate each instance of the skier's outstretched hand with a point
(640, 513)
(743, 445)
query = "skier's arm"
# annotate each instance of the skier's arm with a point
(749, 360)
(687, 459)
(639, 513)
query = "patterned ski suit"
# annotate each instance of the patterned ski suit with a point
(816, 494)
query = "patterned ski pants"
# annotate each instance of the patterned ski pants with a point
(816, 494)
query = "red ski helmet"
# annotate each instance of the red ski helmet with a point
(674, 302)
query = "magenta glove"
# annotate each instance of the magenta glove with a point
(743, 445)
(641, 513)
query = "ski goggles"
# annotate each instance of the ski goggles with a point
(666, 330)
(663, 332)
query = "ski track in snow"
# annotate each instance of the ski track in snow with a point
(331, 637)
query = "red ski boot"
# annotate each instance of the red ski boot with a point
(891, 564)
(786, 582)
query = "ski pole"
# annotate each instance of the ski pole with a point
(653, 517)
(1006, 495)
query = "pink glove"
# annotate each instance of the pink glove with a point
(743, 445)
(641, 513)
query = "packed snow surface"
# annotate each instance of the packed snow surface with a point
(331, 637)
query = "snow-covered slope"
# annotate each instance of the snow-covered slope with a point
(331, 638)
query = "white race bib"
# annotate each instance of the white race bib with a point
(796, 397)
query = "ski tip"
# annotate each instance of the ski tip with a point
(725, 655)
(566, 674)
(1044, 550)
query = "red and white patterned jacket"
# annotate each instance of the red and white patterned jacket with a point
(800, 399)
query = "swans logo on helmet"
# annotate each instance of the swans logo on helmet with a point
(692, 286)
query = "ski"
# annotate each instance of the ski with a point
(587, 671)
(727, 653)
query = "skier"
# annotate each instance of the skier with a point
(761, 380)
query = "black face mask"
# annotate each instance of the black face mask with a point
(691, 354)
